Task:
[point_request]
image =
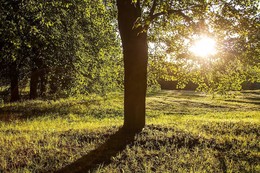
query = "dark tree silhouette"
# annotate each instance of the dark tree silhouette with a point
(135, 52)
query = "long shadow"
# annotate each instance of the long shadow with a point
(102, 155)
(256, 102)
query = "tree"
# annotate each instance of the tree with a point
(135, 17)
(59, 47)
(135, 51)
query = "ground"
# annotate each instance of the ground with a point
(185, 132)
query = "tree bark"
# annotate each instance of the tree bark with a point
(34, 84)
(135, 51)
(14, 79)
(53, 83)
(43, 83)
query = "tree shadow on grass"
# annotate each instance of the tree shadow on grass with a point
(39, 108)
(101, 155)
(248, 101)
(30, 110)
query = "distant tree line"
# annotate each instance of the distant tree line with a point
(58, 48)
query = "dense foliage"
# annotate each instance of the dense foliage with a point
(58, 47)
(174, 26)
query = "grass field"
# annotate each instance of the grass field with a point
(185, 132)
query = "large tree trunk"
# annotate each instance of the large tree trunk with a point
(34, 84)
(14, 78)
(135, 52)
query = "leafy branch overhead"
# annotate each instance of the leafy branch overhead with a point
(173, 26)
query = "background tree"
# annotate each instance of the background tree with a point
(60, 47)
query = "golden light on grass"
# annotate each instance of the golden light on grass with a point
(204, 47)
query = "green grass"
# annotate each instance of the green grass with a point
(185, 132)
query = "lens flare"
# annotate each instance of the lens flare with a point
(204, 47)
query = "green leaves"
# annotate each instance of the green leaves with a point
(234, 25)
(67, 43)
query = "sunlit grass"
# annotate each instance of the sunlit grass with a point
(185, 132)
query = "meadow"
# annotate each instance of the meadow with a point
(186, 131)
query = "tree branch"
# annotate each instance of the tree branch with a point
(153, 8)
(177, 12)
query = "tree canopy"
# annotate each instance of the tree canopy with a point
(59, 46)
(174, 26)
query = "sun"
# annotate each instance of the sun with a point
(204, 47)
